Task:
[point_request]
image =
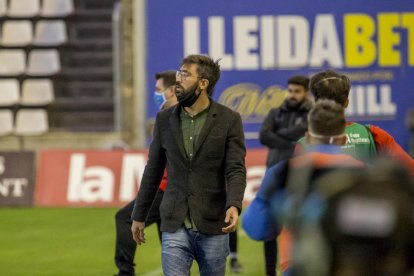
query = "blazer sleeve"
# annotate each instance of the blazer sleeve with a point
(235, 169)
(153, 173)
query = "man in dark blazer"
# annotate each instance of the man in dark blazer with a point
(201, 143)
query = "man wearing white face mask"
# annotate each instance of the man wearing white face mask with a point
(164, 97)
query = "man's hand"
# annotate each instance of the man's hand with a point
(232, 217)
(138, 231)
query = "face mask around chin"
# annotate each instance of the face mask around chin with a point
(189, 98)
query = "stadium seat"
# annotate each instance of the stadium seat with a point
(9, 92)
(3, 7)
(12, 62)
(6, 122)
(43, 62)
(57, 8)
(24, 8)
(37, 92)
(50, 33)
(17, 33)
(31, 122)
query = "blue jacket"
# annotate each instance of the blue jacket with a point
(258, 219)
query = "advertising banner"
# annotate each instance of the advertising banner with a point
(17, 170)
(263, 43)
(88, 178)
(108, 178)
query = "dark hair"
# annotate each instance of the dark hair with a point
(207, 69)
(327, 118)
(330, 85)
(168, 77)
(300, 80)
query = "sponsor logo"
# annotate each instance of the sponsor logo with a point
(16, 178)
(106, 178)
(97, 183)
(295, 41)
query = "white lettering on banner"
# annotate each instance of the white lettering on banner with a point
(133, 166)
(14, 184)
(267, 42)
(325, 43)
(254, 179)
(216, 44)
(294, 32)
(371, 100)
(89, 184)
(93, 184)
(245, 42)
(191, 36)
(294, 41)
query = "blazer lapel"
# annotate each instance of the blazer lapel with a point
(176, 129)
(208, 125)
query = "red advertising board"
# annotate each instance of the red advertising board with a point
(108, 178)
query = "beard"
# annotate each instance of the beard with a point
(187, 97)
(292, 104)
(180, 91)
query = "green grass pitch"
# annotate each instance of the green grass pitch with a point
(80, 241)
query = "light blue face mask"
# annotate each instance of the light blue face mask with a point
(159, 99)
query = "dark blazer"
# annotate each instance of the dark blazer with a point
(213, 181)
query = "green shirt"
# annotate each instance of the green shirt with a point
(191, 127)
(359, 142)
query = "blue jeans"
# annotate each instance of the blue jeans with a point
(180, 248)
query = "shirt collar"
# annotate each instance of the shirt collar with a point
(198, 114)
